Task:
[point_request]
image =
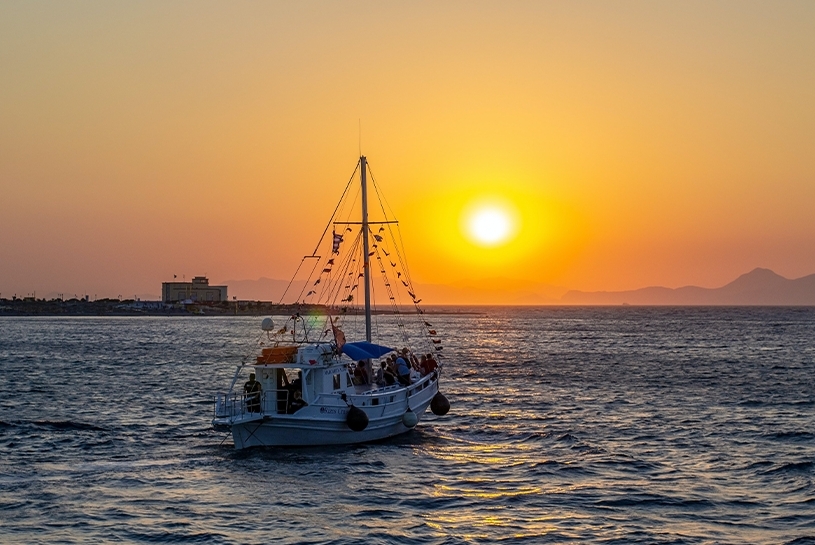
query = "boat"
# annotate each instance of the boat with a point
(308, 385)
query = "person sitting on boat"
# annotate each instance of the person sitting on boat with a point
(430, 364)
(252, 391)
(390, 371)
(360, 375)
(379, 375)
(297, 402)
(403, 371)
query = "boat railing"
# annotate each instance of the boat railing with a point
(236, 404)
(382, 396)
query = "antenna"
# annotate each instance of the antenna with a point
(360, 136)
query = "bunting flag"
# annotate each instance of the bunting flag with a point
(361, 275)
(406, 284)
(330, 261)
(327, 269)
(337, 240)
(317, 282)
(398, 274)
(428, 324)
(312, 292)
(412, 295)
(386, 253)
(432, 331)
(349, 299)
(378, 238)
(416, 302)
(436, 341)
(339, 336)
(355, 287)
(370, 254)
(348, 229)
(393, 264)
(381, 229)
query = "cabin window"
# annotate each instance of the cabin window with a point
(336, 381)
(375, 401)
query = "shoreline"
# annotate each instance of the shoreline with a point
(114, 307)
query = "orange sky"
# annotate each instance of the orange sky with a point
(640, 143)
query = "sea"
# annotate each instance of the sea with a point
(567, 425)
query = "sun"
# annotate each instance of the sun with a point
(490, 224)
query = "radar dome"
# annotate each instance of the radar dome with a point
(267, 324)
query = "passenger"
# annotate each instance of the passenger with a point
(297, 384)
(390, 371)
(251, 390)
(297, 402)
(402, 370)
(360, 375)
(423, 366)
(431, 364)
(379, 375)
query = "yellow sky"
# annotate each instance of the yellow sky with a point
(640, 143)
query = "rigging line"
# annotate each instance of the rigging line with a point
(308, 280)
(280, 302)
(380, 194)
(382, 199)
(399, 321)
(335, 209)
(423, 330)
(345, 267)
(334, 291)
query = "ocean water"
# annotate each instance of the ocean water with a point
(598, 425)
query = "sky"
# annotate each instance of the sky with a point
(615, 145)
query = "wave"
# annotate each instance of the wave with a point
(792, 467)
(57, 425)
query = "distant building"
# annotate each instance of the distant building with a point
(198, 290)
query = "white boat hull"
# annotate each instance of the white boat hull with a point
(326, 424)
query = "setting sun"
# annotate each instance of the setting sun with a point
(489, 225)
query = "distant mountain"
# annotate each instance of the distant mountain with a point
(758, 287)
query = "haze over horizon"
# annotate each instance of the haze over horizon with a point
(587, 146)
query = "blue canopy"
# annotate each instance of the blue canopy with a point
(363, 350)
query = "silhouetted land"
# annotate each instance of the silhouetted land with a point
(30, 306)
(758, 287)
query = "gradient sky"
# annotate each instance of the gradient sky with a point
(636, 143)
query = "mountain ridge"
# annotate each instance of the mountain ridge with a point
(758, 287)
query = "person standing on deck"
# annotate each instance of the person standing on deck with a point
(251, 390)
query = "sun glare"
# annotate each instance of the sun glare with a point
(490, 225)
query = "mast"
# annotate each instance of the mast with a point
(367, 259)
